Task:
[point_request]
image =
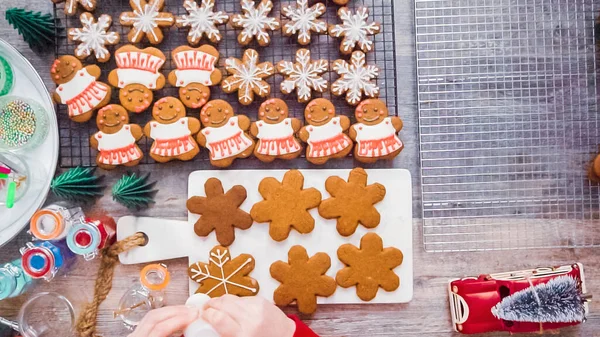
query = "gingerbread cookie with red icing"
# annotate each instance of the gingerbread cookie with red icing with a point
(116, 141)
(137, 75)
(324, 132)
(196, 71)
(78, 88)
(172, 131)
(224, 134)
(275, 132)
(375, 132)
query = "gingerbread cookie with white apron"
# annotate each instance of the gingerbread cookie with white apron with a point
(275, 132)
(196, 71)
(78, 87)
(375, 133)
(224, 133)
(172, 131)
(324, 132)
(116, 141)
(137, 75)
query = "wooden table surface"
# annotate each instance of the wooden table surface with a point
(426, 315)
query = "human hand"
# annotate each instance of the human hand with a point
(233, 316)
(166, 321)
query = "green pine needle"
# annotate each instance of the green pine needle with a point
(37, 29)
(77, 184)
(134, 192)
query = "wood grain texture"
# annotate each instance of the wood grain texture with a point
(426, 315)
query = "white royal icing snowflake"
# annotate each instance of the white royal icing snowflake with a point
(304, 75)
(94, 37)
(202, 20)
(247, 77)
(303, 20)
(254, 22)
(355, 30)
(145, 19)
(355, 78)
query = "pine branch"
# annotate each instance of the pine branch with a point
(37, 29)
(134, 192)
(77, 184)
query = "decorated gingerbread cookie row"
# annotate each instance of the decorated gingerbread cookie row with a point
(228, 136)
(147, 19)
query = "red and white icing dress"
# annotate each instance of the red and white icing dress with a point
(276, 139)
(194, 66)
(117, 148)
(138, 67)
(82, 93)
(327, 140)
(376, 140)
(171, 139)
(226, 141)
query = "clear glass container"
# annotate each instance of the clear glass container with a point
(46, 315)
(88, 236)
(18, 175)
(53, 222)
(13, 280)
(43, 259)
(23, 123)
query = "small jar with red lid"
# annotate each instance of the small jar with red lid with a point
(42, 260)
(88, 236)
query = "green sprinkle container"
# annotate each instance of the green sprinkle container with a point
(7, 78)
(23, 123)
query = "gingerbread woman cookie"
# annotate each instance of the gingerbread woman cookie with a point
(304, 20)
(354, 30)
(202, 21)
(375, 133)
(224, 134)
(172, 131)
(71, 5)
(116, 140)
(137, 74)
(255, 22)
(93, 37)
(324, 132)
(146, 19)
(196, 71)
(78, 88)
(275, 132)
(247, 77)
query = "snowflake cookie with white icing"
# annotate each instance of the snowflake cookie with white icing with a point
(71, 5)
(303, 76)
(94, 37)
(304, 20)
(255, 22)
(354, 30)
(355, 78)
(202, 21)
(247, 77)
(146, 20)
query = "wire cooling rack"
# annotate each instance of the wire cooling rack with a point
(74, 137)
(508, 114)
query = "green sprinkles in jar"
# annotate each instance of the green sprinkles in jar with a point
(17, 123)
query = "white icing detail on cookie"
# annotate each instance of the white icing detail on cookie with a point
(82, 93)
(138, 67)
(303, 75)
(145, 17)
(226, 141)
(219, 259)
(303, 20)
(255, 21)
(193, 66)
(327, 139)
(117, 148)
(355, 29)
(137, 76)
(93, 36)
(376, 140)
(247, 77)
(202, 20)
(355, 78)
(276, 139)
(171, 139)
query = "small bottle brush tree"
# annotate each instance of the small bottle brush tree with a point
(37, 29)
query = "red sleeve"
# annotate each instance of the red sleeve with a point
(301, 329)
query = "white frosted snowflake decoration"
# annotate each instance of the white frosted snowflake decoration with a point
(303, 76)
(254, 22)
(355, 30)
(304, 20)
(202, 20)
(146, 19)
(355, 78)
(94, 37)
(247, 77)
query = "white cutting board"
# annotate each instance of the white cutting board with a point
(170, 239)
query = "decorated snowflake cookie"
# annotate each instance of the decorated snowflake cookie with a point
(71, 5)
(247, 77)
(94, 37)
(254, 22)
(303, 76)
(202, 21)
(147, 19)
(354, 30)
(355, 78)
(304, 20)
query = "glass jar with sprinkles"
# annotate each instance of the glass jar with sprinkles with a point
(23, 123)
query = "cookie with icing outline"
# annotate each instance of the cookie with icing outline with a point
(354, 30)
(71, 5)
(303, 76)
(254, 21)
(202, 21)
(355, 78)
(93, 37)
(304, 20)
(247, 77)
(146, 19)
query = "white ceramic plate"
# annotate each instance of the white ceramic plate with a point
(42, 160)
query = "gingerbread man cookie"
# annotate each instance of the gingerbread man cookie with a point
(369, 267)
(275, 132)
(146, 19)
(71, 5)
(116, 141)
(304, 20)
(78, 88)
(137, 74)
(375, 133)
(202, 21)
(247, 77)
(196, 71)
(303, 76)
(93, 37)
(224, 134)
(354, 30)
(324, 132)
(355, 78)
(255, 22)
(172, 131)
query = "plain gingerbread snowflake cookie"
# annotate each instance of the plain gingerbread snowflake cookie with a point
(354, 30)
(355, 78)
(202, 21)
(255, 22)
(303, 76)
(94, 37)
(304, 20)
